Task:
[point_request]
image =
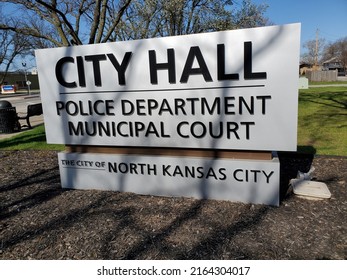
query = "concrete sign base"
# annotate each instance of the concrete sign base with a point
(248, 181)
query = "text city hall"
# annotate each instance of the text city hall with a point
(193, 55)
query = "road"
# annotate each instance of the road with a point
(21, 102)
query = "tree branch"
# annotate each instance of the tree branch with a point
(65, 20)
(116, 21)
(30, 32)
(95, 23)
(102, 21)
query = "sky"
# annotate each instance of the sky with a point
(328, 16)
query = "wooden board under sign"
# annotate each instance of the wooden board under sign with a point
(232, 154)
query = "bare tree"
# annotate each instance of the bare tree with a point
(52, 23)
(337, 51)
(250, 15)
(65, 22)
(57, 23)
(158, 18)
(12, 45)
(314, 51)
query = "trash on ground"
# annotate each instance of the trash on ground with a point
(304, 186)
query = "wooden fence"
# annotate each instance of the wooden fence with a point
(321, 76)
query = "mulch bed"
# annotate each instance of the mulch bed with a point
(39, 220)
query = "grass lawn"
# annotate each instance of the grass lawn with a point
(34, 139)
(322, 120)
(322, 125)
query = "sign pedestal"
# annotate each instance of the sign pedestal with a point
(192, 98)
(222, 175)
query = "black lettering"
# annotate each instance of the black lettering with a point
(211, 173)
(71, 108)
(60, 106)
(213, 127)
(95, 59)
(192, 103)
(127, 110)
(151, 129)
(189, 171)
(90, 127)
(243, 103)
(151, 169)
(195, 132)
(215, 106)
(188, 70)
(165, 107)
(263, 105)
(59, 72)
(109, 107)
(152, 104)
(119, 125)
(179, 105)
(248, 74)
(139, 107)
(221, 76)
(112, 167)
(268, 175)
(229, 105)
(235, 175)
(221, 171)
(166, 170)
(80, 71)
(154, 66)
(76, 130)
(255, 175)
(81, 108)
(121, 68)
(232, 127)
(139, 126)
(200, 170)
(177, 171)
(162, 131)
(104, 128)
(179, 132)
(247, 124)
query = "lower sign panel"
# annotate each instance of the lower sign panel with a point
(248, 181)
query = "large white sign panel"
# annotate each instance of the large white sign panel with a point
(255, 181)
(225, 90)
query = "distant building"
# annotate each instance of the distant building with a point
(334, 64)
(19, 80)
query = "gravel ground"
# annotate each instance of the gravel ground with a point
(39, 220)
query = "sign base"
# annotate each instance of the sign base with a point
(239, 180)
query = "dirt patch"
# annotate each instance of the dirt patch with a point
(39, 220)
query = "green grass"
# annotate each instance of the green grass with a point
(34, 139)
(322, 125)
(322, 121)
(329, 83)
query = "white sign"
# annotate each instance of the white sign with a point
(224, 90)
(255, 181)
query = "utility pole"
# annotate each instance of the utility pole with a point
(27, 82)
(316, 50)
